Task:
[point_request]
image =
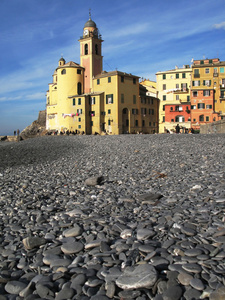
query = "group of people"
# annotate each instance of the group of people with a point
(179, 129)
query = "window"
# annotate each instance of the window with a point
(222, 70)
(63, 71)
(196, 73)
(78, 71)
(143, 111)
(136, 123)
(201, 118)
(207, 71)
(196, 83)
(222, 94)
(103, 113)
(202, 62)
(109, 111)
(177, 75)
(163, 107)
(79, 92)
(92, 100)
(201, 105)
(193, 106)
(207, 119)
(195, 94)
(208, 106)
(183, 75)
(134, 111)
(79, 101)
(86, 49)
(214, 71)
(207, 82)
(96, 49)
(177, 86)
(109, 99)
(134, 80)
(79, 119)
(163, 119)
(79, 126)
(188, 98)
(172, 120)
(74, 101)
(122, 98)
(109, 122)
(134, 99)
(210, 61)
(177, 97)
(164, 86)
(164, 97)
(194, 120)
(150, 123)
(206, 93)
(183, 86)
(98, 81)
(91, 123)
(171, 108)
(122, 78)
(79, 111)
(179, 119)
(109, 79)
(143, 123)
(92, 113)
(164, 76)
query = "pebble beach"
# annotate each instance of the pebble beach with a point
(113, 217)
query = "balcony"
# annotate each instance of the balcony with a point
(215, 74)
(196, 75)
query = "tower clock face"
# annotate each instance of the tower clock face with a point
(86, 32)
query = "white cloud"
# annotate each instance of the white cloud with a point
(219, 26)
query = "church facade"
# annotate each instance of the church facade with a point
(85, 99)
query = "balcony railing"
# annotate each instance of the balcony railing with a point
(196, 75)
(215, 74)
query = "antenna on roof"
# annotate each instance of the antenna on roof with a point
(89, 13)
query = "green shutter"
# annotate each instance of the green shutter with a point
(193, 83)
(199, 83)
(106, 99)
(203, 82)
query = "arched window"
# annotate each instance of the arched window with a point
(79, 88)
(179, 119)
(96, 49)
(86, 49)
(201, 118)
(63, 71)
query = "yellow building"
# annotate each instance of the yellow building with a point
(173, 89)
(85, 99)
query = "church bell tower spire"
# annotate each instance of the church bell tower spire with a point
(90, 52)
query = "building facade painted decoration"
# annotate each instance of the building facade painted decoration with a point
(85, 99)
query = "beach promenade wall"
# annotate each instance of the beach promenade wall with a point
(214, 127)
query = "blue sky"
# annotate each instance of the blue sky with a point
(140, 37)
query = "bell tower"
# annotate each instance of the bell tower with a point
(90, 53)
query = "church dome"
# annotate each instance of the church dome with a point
(90, 23)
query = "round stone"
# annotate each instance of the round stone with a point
(194, 268)
(15, 287)
(184, 278)
(197, 284)
(142, 276)
(71, 248)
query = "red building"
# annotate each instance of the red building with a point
(178, 114)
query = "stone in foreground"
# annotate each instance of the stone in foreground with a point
(142, 276)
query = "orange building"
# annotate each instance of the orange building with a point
(206, 89)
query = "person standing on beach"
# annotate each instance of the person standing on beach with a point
(177, 128)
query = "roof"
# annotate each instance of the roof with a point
(113, 73)
(70, 64)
